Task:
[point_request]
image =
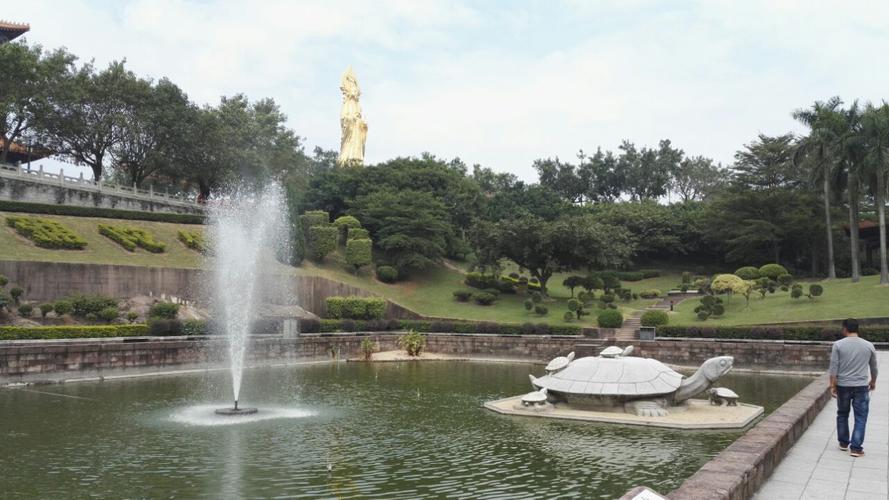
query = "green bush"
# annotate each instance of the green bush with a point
(481, 281)
(62, 307)
(46, 233)
(654, 318)
(412, 342)
(45, 309)
(462, 295)
(106, 213)
(537, 297)
(132, 316)
(163, 310)
(593, 282)
(529, 304)
(357, 233)
(796, 291)
(772, 271)
(368, 347)
(70, 332)
(650, 294)
(3, 281)
(25, 310)
(485, 298)
(358, 253)
(5, 300)
(610, 318)
(109, 314)
(650, 273)
(808, 333)
(355, 307)
(815, 290)
(345, 224)
(870, 271)
(131, 237)
(193, 240)
(568, 316)
(16, 294)
(83, 305)
(541, 310)
(571, 282)
(322, 241)
(314, 218)
(387, 274)
(747, 273)
(160, 327)
(630, 276)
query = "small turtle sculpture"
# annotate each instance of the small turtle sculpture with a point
(615, 352)
(535, 398)
(642, 386)
(719, 395)
(558, 363)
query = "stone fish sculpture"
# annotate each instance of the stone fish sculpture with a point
(643, 386)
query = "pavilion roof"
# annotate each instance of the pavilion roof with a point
(11, 30)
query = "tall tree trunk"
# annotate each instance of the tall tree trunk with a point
(853, 225)
(881, 210)
(831, 266)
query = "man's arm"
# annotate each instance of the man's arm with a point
(834, 363)
(873, 369)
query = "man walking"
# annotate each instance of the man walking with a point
(850, 360)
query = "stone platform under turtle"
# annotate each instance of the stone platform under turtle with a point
(698, 414)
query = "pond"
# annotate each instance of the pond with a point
(345, 430)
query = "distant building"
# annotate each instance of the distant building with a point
(9, 31)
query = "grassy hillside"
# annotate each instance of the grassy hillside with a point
(99, 249)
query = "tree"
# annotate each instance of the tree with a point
(766, 163)
(696, 178)
(29, 79)
(852, 154)
(875, 130)
(819, 148)
(560, 177)
(647, 172)
(410, 227)
(572, 282)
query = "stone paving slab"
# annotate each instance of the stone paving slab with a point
(815, 468)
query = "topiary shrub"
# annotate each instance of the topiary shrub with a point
(815, 290)
(592, 282)
(541, 310)
(321, 241)
(572, 282)
(345, 224)
(785, 280)
(16, 294)
(650, 294)
(610, 318)
(747, 273)
(796, 291)
(462, 295)
(772, 271)
(314, 218)
(83, 305)
(650, 273)
(164, 327)
(485, 299)
(45, 309)
(46, 233)
(537, 297)
(358, 253)
(132, 316)
(412, 342)
(529, 304)
(387, 274)
(131, 237)
(3, 281)
(109, 314)
(357, 233)
(25, 310)
(355, 307)
(62, 307)
(193, 240)
(568, 316)
(163, 310)
(654, 318)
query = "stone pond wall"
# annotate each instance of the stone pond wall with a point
(47, 281)
(34, 361)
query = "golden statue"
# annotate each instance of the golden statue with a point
(354, 128)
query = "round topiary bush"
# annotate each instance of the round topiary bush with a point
(541, 310)
(537, 297)
(747, 273)
(655, 318)
(796, 292)
(717, 309)
(110, 314)
(462, 295)
(568, 316)
(493, 291)
(62, 307)
(387, 274)
(484, 299)
(703, 315)
(25, 310)
(610, 318)
(772, 271)
(45, 309)
(650, 294)
(815, 290)
(785, 279)
(529, 304)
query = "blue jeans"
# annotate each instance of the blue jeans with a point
(858, 398)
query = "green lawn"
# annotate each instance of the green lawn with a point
(841, 299)
(99, 249)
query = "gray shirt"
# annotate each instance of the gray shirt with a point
(850, 359)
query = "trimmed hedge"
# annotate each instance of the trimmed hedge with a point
(358, 233)
(46, 233)
(322, 241)
(772, 271)
(359, 253)
(107, 213)
(655, 318)
(355, 307)
(426, 326)
(193, 240)
(131, 237)
(747, 273)
(71, 332)
(314, 218)
(873, 334)
(610, 318)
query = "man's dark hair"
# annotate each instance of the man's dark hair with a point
(851, 325)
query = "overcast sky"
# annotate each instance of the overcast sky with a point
(497, 83)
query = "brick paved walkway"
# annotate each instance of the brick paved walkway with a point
(815, 468)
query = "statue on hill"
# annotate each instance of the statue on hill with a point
(354, 128)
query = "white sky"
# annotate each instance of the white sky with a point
(497, 83)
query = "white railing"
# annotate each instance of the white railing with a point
(60, 179)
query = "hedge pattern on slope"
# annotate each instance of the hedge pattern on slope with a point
(71, 332)
(193, 240)
(46, 233)
(107, 213)
(355, 307)
(442, 326)
(131, 237)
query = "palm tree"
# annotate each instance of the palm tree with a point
(820, 148)
(875, 131)
(852, 152)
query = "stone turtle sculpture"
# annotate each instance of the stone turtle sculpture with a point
(719, 395)
(642, 386)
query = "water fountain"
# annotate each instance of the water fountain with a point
(245, 233)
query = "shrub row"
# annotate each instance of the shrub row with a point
(355, 307)
(874, 334)
(108, 213)
(131, 237)
(193, 240)
(46, 233)
(425, 326)
(71, 332)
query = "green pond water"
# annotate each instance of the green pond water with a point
(388, 430)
